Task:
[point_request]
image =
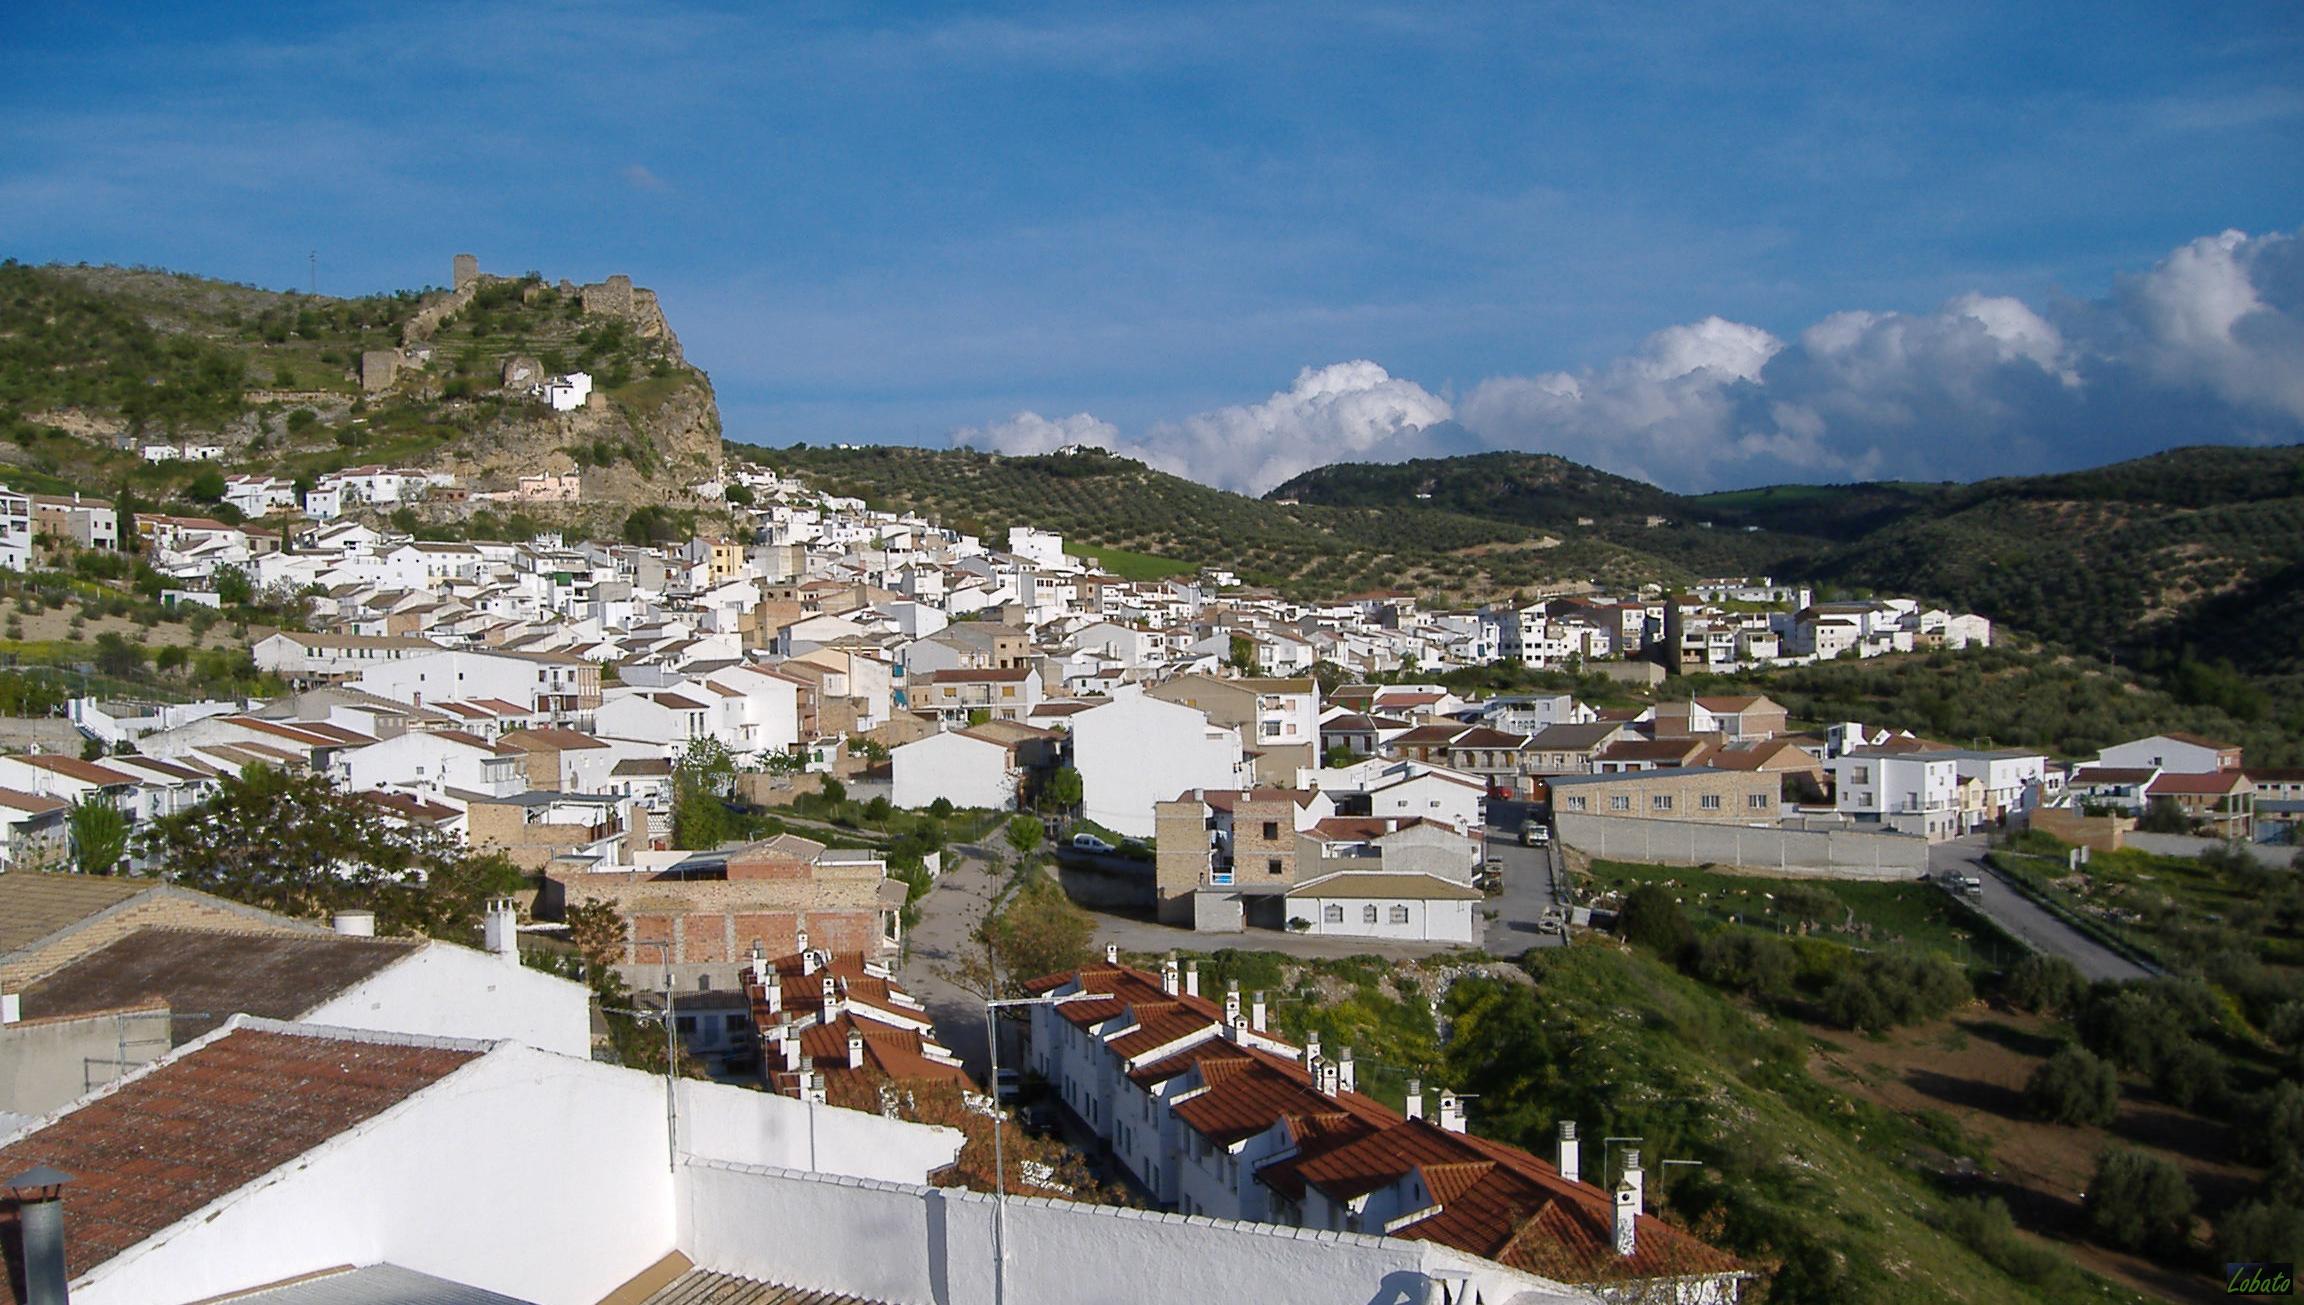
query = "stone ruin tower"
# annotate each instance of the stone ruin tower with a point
(467, 271)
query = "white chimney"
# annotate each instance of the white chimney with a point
(1635, 1179)
(759, 959)
(1311, 1048)
(807, 960)
(815, 1087)
(772, 989)
(501, 929)
(1111, 953)
(1256, 1013)
(1232, 1003)
(831, 995)
(1325, 1076)
(11, 1008)
(855, 1049)
(791, 1040)
(1627, 1218)
(1168, 975)
(354, 924)
(1571, 1153)
(1346, 1080)
(1413, 1107)
(1451, 1111)
(1192, 979)
(800, 941)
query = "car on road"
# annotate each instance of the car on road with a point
(1552, 921)
(1010, 1085)
(1091, 843)
(1533, 834)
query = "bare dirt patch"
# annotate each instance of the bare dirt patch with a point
(1972, 1067)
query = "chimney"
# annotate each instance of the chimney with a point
(11, 1008)
(1311, 1048)
(1192, 978)
(1413, 1107)
(791, 1041)
(759, 959)
(800, 941)
(1451, 1111)
(855, 1049)
(39, 1195)
(815, 1087)
(772, 988)
(1325, 1076)
(1345, 1079)
(1256, 1013)
(1111, 953)
(502, 930)
(1627, 1219)
(831, 993)
(807, 958)
(1571, 1154)
(1232, 1003)
(354, 924)
(1168, 975)
(1635, 1179)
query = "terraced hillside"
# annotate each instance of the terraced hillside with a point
(1097, 499)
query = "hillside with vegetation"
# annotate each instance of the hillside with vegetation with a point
(1161, 522)
(96, 361)
(2195, 554)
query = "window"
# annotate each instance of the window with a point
(685, 1023)
(1576, 803)
(1756, 801)
(1332, 914)
(703, 983)
(733, 1023)
(1271, 830)
(1368, 914)
(1399, 915)
(1860, 775)
(1272, 865)
(1620, 803)
(1661, 802)
(1709, 802)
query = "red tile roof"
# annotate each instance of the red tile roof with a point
(167, 1143)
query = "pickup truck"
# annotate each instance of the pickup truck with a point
(1535, 835)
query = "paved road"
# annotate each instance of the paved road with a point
(1531, 880)
(947, 914)
(2024, 919)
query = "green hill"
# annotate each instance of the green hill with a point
(1101, 501)
(95, 361)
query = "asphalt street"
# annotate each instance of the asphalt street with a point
(2024, 919)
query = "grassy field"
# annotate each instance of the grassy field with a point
(1131, 565)
(1869, 915)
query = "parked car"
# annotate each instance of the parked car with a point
(1010, 1085)
(1535, 835)
(1090, 843)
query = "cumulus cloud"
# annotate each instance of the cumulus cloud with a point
(1345, 412)
(1028, 433)
(2208, 345)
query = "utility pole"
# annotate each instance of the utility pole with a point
(314, 259)
(999, 1164)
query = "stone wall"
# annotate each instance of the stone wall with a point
(45, 1063)
(2098, 833)
(1826, 853)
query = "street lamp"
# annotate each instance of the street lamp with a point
(999, 1164)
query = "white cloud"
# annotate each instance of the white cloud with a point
(2206, 346)
(1028, 434)
(1345, 412)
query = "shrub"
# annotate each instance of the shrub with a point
(2073, 1087)
(2261, 1230)
(1882, 991)
(1652, 918)
(2048, 985)
(2190, 1074)
(1747, 962)
(1986, 1227)
(2140, 1202)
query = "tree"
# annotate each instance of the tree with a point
(598, 932)
(2073, 1087)
(233, 587)
(99, 834)
(2047, 985)
(207, 486)
(1651, 918)
(292, 844)
(2140, 1202)
(116, 656)
(2164, 815)
(1025, 834)
(1039, 931)
(701, 781)
(2260, 1231)
(1065, 789)
(1243, 654)
(738, 495)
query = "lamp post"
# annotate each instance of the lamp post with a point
(999, 1163)
(39, 1194)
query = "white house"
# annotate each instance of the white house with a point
(2174, 753)
(1388, 904)
(435, 761)
(1912, 792)
(568, 393)
(964, 767)
(15, 530)
(1135, 751)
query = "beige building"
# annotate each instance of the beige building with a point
(1684, 793)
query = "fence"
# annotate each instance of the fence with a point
(1827, 853)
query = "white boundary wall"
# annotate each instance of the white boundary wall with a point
(933, 1246)
(1825, 853)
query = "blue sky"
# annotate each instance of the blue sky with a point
(1239, 239)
